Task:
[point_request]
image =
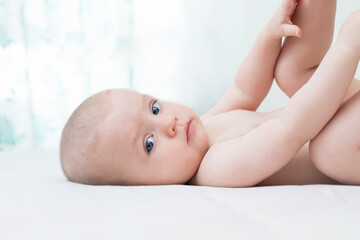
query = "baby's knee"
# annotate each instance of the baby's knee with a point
(347, 35)
(338, 159)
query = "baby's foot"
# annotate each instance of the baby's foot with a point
(349, 35)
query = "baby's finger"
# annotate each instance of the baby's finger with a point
(291, 30)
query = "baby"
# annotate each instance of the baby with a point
(122, 137)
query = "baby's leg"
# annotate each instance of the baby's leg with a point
(336, 150)
(299, 57)
(311, 108)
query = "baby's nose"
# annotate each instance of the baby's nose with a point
(170, 126)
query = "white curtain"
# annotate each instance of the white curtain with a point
(55, 53)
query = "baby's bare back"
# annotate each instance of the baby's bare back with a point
(237, 123)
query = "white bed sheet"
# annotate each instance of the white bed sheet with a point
(37, 202)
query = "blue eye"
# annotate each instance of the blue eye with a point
(149, 144)
(155, 108)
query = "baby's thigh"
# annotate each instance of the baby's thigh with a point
(336, 149)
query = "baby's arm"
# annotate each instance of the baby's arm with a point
(255, 75)
(299, 58)
(247, 160)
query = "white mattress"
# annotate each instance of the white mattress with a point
(37, 202)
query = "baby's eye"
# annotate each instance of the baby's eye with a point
(155, 108)
(149, 144)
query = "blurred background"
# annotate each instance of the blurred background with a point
(56, 53)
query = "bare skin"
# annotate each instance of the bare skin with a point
(293, 69)
(146, 141)
(300, 170)
(259, 154)
(298, 60)
(300, 57)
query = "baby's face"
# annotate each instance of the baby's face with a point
(152, 141)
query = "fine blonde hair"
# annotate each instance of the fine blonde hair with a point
(78, 146)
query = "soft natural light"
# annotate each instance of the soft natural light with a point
(54, 54)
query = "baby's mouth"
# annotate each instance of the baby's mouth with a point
(189, 129)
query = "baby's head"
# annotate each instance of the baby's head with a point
(122, 137)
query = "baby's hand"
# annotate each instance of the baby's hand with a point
(280, 24)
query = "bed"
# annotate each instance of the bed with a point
(37, 202)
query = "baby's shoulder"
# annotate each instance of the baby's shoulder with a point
(246, 160)
(233, 124)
